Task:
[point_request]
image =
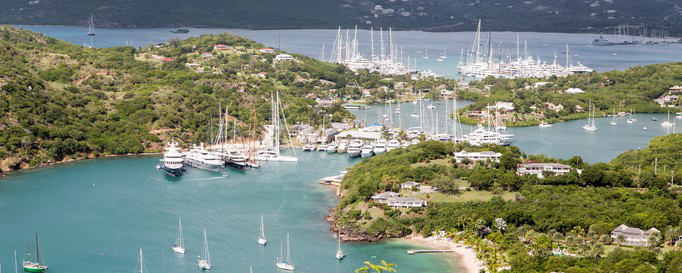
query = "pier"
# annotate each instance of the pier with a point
(418, 251)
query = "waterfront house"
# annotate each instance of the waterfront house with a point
(477, 156)
(266, 50)
(539, 168)
(409, 185)
(504, 106)
(284, 57)
(405, 202)
(381, 198)
(221, 47)
(633, 236)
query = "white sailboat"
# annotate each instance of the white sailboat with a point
(667, 123)
(272, 153)
(140, 262)
(632, 118)
(285, 264)
(339, 253)
(544, 124)
(613, 119)
(205, 263)
(179, 245)
(91, 26)
(261, 237)
(590, 126)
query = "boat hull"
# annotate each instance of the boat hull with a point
(173, 171)
(235, 165)
(201, 165)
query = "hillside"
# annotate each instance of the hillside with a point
(431, 15)
(59, 101)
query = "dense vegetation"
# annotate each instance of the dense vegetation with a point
(61, 101)
(433, 15)
(575, 211)
(612, 91)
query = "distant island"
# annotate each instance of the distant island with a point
(593, 16)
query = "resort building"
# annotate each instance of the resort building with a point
(382, 198)
(539, 168)
(221, 47)
(633, 236)
(409, 185)
(405, 202)
(477, 156)
(266, 50)
(284, 57)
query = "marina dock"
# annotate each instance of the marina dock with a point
(418, 251)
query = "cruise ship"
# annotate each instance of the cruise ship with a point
(200, 158)
(172, 162)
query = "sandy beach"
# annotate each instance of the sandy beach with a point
(465, 257)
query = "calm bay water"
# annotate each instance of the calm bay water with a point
(562, 140)
(309, 42)
(94, 215)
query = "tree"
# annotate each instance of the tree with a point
(377, 268)
(500, 224)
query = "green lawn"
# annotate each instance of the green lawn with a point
(442, 161)
(466, 196)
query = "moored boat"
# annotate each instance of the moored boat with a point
(367, 151)
(355, 148)
(33, 266)
(172, 162)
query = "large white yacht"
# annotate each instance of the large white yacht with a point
(392, 145)
(198, 157)
(354, 148)
(235, 159)
(343, 146)
(380, 147)
(482, 136)
(172, 160)
(332, 147)
(367, 151)
(273, 154)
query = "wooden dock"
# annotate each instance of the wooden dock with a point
(418, 251)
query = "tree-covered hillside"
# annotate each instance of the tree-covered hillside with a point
(433, 15)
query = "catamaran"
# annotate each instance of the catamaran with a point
(667, 123)
(30, 266)
(339, 252)
(205, 263)
(91, 26)
(261, 237)
(285, 264)
(590, 126)
(172, 162)
(179, 245)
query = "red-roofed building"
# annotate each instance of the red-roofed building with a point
(166, 59)
(266, 50)
(221, 47)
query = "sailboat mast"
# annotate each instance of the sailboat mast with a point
(288, 253)
(141, 262)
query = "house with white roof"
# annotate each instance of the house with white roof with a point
(574, 91)
(633, 236)
(284, 57)
(405, 202)
(381, 198)
(539, 168)
(477, 156)
(409, 185)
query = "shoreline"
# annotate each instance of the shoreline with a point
(70, 160)
(464, 258)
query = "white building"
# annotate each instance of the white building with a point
(409, 185)
(504, 106)
(382, 198)
(284, 57)
(633, 236)
(478, 156)
(539, 168)
(405, 202)
(574, 91)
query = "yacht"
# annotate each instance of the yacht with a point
(482, 136)
(281, 262)
(179, 245)
(354, 149)
(613, 119)
(272, 154)
(431, 106)
(545, 125)
(331, 148)
(309, 147)
(590, 126)
(261, 236)
(367, 151)
(380, 147)
(33, 266)
(236, 159)
(343, 146)
(323, 147)
(339, 253)
(392, 145)
(200, 158)
(678, 115)
(632, 118)
(414, 115)
(172, 161)
(667, 122)
(205, 263)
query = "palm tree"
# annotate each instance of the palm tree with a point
(620, 239)
(377, 268)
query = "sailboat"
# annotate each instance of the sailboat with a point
(613, 119)
(91, 26)
(205, 264)
(30, 266)
(141, 263)
(179, 245)
(667, 123)
(426, 52)
(590, 126)
(632, 118)
(261, 237)
(272, 153)
(339, 252)
(285, 264)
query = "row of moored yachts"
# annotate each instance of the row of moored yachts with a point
(174, 160)
(358, 147)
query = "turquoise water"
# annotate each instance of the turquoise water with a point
(562, 140)
(94, 215)
(309, 42)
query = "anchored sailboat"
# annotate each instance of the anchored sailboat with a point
(205, 263)
(179, 245)
(30, 266)
(339, 252)
(285, 264)
(91, 26)
(261, 237)
(590, 126)
(143, 267)
(272, 152)
(667, 123)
